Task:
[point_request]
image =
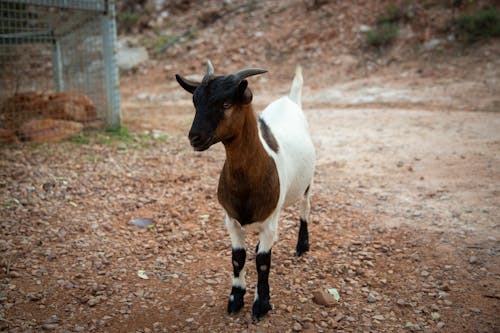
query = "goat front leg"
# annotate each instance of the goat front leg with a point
(238, 289)
(261, 304)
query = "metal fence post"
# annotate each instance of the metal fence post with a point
(108, 28)
(57, 65)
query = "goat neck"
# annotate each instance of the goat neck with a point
(245, 149)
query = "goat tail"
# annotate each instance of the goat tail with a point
(296, 89)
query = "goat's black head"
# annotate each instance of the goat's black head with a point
(217, 100)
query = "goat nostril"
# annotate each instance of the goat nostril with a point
(194, 138)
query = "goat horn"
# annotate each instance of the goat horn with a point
(210, 69)
(210, 72)
(244, 73)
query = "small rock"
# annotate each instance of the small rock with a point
(93, 301)
(440, 324)
(364, 28)
(50, 327)
(297, 327)
(424, 273)
(431, 44)
(435, 315)
(34, 296)
(412, 327)
(371, 298)
(142, 222)
(52, 320)
(378, 317)
(475, 310)
(473, 260)
(321, 297)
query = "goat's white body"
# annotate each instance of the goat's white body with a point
(295, 158)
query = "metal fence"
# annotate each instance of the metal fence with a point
(53, 46)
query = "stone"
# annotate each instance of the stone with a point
(323, 298)
(142, 222)
(297, 327)
(49, 130)
(371, 298)
(7, 136)
(129, 57)
(431, 44)
(364, 28)
(473, 260)
(70, 106)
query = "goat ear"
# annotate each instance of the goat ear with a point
(244, 93)
(188, 85)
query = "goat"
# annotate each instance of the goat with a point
(269, 165)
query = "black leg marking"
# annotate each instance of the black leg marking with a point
(307, 190)
(257, 247)
(303, 242)
(262, 305)
(235, 302)
(239, 256)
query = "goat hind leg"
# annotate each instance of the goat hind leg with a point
(303, 241)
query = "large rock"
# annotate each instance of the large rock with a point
(20, 108)
(7, 136)
(130, 56)
(49, 130)
(23, 107)
(70, 106)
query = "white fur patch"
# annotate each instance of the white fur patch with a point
(240, 280)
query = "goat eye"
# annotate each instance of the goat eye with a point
(227, 105)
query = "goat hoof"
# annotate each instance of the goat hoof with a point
(235, 302)
(260, 308)
(234, 306)
(302, 248)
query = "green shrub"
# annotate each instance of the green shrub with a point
(393, 14)
(484, 23)
(383, 34)
(127, 20)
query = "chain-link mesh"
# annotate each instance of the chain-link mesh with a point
(55, 50)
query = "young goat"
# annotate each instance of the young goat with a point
(269, 165)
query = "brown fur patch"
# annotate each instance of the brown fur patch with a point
(268, 136)
(249, 183)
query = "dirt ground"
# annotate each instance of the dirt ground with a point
(404, 221)
(404, 224)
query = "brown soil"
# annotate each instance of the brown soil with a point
(404, 220)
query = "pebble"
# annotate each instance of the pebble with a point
(473, 260)
(297, 327)
(378, 317)
(435, 315)
(321, 297)
(475, 310)
(50, 327)
(371, 298)
(440, 324)
(93, 301)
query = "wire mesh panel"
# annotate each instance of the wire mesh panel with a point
(57, 63)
